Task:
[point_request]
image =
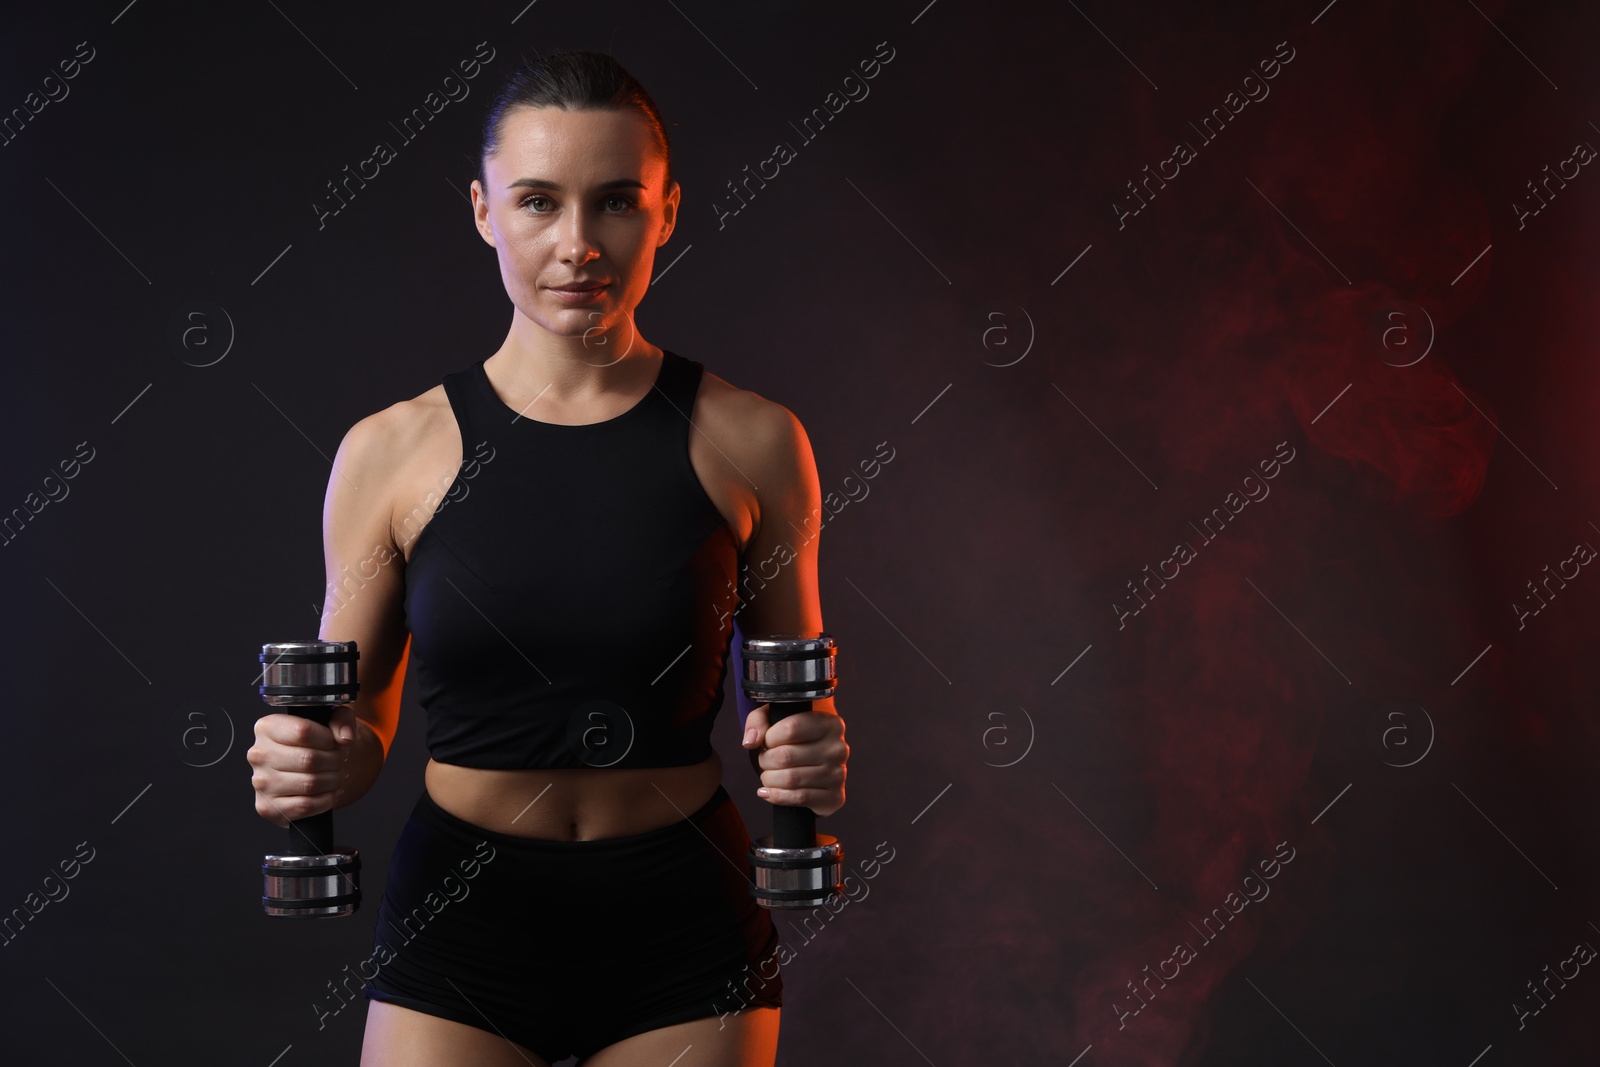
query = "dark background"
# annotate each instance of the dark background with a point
(1340, 672)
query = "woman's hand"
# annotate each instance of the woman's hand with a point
(801, 758)
(299, 764)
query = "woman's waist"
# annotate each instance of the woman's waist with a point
(573, 804)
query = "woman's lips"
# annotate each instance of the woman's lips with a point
(579, 296)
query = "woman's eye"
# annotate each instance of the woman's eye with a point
(622, 203)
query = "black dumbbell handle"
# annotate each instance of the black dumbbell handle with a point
(315, 832)
(793, 826)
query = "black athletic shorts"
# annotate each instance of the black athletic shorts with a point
(568, 946)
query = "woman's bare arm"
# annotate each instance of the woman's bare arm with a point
(803, 757)
(365, 591)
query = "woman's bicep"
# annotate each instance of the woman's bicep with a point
(781, 594)
(783, 552)
(364, 599)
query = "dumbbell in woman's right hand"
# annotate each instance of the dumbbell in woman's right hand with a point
(300, 765)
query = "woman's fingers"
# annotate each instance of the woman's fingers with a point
(819, 776)
(281, 810)
(298, 766)
(807, 754)
(820, 788)
(803, 727)
(802, 763)
(300, 785)
(820, 801)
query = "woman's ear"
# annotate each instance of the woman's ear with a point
(669, 213)
(480, 213)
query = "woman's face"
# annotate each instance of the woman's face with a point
(575, 198)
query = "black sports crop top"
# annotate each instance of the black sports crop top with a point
(572, 605)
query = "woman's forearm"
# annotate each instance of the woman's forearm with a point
(364, 760)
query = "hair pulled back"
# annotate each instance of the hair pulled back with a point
(572, 81)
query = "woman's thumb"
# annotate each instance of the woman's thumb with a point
(755, 726)
(343, 725)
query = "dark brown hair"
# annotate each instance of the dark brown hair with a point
(573, 81)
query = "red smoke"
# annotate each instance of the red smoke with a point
(1225, 700)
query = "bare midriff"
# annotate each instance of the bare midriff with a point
(573, 804)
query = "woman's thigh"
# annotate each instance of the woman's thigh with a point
(400, 1037)
(747, 1038)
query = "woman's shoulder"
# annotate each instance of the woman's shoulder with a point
(763, 432)
(405, 420)
(390, 440)
(740, 410)
(390, 457)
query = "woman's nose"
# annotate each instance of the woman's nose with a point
(577, 242)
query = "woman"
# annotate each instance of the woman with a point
(573, 879)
